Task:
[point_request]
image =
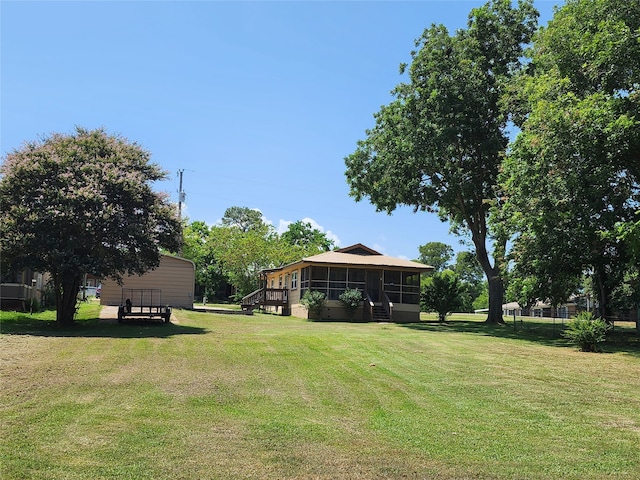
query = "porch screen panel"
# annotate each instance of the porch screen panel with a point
(356, 278)
(304, 280)
(410, 288)
(337, 282)
(393, 285)
(320, 279)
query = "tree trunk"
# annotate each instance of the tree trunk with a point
(496, 298)
(604, 296)
(492, 272)
(66, 285)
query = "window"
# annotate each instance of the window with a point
(280, 281)
(286, 280)
(294, 280)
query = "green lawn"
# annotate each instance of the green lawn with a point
(214, 396)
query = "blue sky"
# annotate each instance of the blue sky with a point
(257, 102)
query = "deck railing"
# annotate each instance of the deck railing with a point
(368, 307)
(276, 297)
(16, 291)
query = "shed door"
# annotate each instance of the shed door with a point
(374, 281)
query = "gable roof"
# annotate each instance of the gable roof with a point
(358, 249)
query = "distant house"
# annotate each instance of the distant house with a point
(542, 310)
(568, 309)
(174, 280)
(18, 290)
(390, 286)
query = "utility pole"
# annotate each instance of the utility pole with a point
(181, 195)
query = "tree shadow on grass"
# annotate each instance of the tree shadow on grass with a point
(623, 340)
(96, 328)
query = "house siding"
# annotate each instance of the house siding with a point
(175, 277)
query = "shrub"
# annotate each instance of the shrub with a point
(351, 300)
(314, 301)
(442, 294)
(587, 332)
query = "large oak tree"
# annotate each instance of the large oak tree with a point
(439, 145)
(83, 203)
(573, 175)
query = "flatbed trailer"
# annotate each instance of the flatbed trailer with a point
(143, 303)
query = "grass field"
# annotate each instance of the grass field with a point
(214, 396)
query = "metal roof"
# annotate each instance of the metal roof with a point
(341, 258)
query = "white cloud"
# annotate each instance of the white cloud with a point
(283, 225)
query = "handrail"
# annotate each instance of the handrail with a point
(387, 304)
(370, 303)
(252, 297)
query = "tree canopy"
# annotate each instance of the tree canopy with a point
(243, 218)
(439, 145)
(436, 254)
(210, 276)
(83, 203)
(242, 245)
(303, 234)
(572, 177)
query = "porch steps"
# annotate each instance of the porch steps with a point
(380, 314)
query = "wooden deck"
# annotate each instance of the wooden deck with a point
(266, 297)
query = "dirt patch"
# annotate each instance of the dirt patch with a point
(109, 312)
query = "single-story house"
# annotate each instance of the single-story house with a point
(390, 286)
(171, 284)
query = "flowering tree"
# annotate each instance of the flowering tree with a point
(83, 203)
